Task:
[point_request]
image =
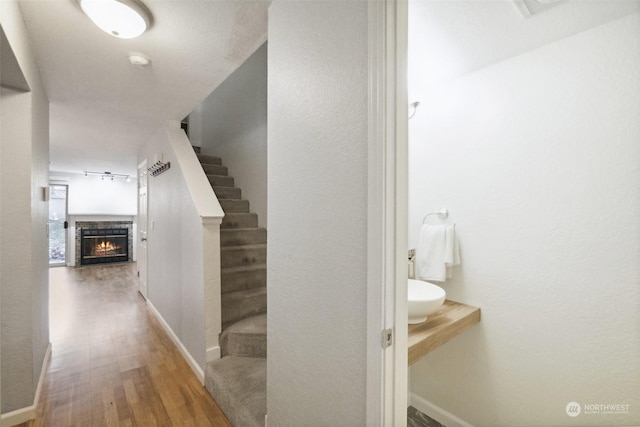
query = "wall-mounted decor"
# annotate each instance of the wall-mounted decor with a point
(158, 167)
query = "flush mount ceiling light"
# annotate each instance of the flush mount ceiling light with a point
(125, 19)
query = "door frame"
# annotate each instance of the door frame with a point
(387, 373)
(142, 166)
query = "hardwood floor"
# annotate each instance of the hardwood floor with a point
(112, 363)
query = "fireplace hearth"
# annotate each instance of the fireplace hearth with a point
(105, 245)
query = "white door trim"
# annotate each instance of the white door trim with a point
(142, 232)
(387, 213)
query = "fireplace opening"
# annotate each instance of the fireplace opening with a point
(105, 245)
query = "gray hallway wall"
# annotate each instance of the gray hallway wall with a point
(317, 246)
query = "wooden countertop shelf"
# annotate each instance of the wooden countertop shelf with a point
(452, 319)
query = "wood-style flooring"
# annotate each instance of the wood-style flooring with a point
(112, 364)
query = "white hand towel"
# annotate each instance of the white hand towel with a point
(437, 252)
(430, 253)
(452, 250)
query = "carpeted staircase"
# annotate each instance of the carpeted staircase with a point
(238, 380)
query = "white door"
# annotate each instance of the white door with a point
(142, 228)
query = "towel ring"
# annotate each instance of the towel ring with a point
(442, 214)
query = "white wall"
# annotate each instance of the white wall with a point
(174, 260)
(90, 195)
(16, 253)
(179, 244)
(232, 123)
(316, 273)
(24, 270)
(537, 158)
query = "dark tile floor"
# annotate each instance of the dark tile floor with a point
(416, 418)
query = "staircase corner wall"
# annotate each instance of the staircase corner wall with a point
(231, 123)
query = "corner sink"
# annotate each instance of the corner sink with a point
(424, 299)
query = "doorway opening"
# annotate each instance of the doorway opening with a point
(58, 224)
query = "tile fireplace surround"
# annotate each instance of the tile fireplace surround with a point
(79, 222)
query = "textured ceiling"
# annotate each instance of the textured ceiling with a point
(448, 39)
(102, 108)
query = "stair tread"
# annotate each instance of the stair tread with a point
(244, 268)
(235, 205)
(240, 214)
(252, 246)
(207, 157)
(242, 236)
(213, 179)
(245, 293)
(239, 387)
(256, 325)
(233, 230)
(227, 192)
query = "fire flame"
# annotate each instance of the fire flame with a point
(105, 248)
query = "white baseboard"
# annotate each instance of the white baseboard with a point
(183, 350)
(213, 353)
(23, 415)
(18, 416)
(437, 413)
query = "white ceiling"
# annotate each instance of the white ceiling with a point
(450, 38)
(102, 108)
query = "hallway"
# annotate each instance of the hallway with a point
(111, 362)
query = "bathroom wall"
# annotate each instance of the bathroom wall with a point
(537, 158)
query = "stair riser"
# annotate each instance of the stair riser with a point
(239, 220)
(236, 237)
(221, 181)
(236, 257)
(227, 192)
(215, 170)
(234, 206)
(239, 280)
(210, 160)
(236, 307)
(244, 345)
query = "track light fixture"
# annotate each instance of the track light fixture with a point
(108, 175)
